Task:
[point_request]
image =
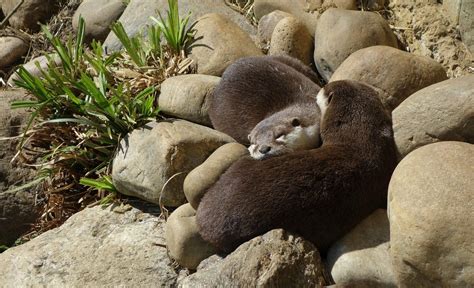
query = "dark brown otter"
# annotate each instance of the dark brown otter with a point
(320, 193)
(254, 88)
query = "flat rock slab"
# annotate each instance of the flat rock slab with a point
(137, 15)
(94, 248)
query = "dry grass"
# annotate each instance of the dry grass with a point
(245, 8)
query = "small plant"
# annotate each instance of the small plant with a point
(175, 29)
(83, 107)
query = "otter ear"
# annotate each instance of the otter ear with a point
(330, 96)
(295, 122)
(248, 137)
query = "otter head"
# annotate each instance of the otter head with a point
(352, 112)
(291, 129)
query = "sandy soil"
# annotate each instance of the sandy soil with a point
(425, 29)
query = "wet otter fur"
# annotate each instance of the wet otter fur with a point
(254, 88)
(320, 193)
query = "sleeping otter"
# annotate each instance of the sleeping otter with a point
(254, 88)
(321, 193)
(291, 129)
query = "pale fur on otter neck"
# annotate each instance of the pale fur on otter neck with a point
(294, 128)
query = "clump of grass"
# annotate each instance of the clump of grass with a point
(85, 106)
(176, 31)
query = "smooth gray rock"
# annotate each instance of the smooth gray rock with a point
(187, 97)
(221, 42)
(152, 162)
(183, 240)
(440, 112)
(396, 74)
(363, 255)
(137, 15)
(98, 16)
(431, 216)
(96, 247)
(205, 175)
(11, 50)
(340, 33)
(275, 259)
(291, 37)
(31, 67)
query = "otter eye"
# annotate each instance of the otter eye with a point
(330, 97)
(295, 122)
(280, 136)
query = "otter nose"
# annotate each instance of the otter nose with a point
(265, 149)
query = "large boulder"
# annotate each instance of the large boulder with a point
(152, 162)
(362, 257)
(440, 112)
(220, 43)
(187, 97)
(183, 240)
(396, 74)
(98, 247)
(340, 33)
(98, 15)
(275, 259)
(11, 50)
(137, 15)
(30, 13)
(431, 216)
(290, 37)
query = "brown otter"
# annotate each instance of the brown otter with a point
(254, 88)
(320, 193)
(291, 129)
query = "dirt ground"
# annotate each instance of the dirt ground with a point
(425, 29)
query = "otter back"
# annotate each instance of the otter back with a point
(253, 88)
